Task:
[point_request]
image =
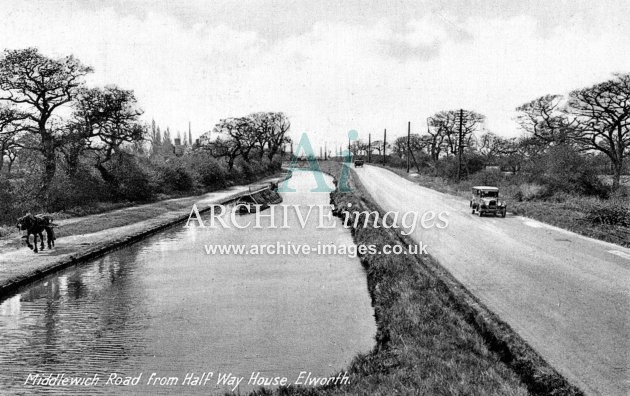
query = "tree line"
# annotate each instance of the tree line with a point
(65, 144)
(589, 127)
(256, 135)
(46, 108)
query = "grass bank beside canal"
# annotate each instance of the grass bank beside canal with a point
(433, 337)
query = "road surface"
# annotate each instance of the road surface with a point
(567, 295)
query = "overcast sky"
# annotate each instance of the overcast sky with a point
(331, 66)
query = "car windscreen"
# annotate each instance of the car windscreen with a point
(489, 194)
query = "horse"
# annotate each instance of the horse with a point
(36, 225)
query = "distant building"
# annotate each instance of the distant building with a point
(179, 149)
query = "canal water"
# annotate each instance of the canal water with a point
(164, 308)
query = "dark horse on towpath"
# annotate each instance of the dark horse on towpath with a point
(36, 225)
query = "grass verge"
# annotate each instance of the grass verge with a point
(433, 337)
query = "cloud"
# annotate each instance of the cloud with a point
(329, 76)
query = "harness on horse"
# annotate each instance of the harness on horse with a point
(36, 225)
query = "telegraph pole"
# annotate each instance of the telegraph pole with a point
(369, 148)
(459, 145)
(384, 145)
(408, 143)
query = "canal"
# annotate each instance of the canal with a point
(165, 308)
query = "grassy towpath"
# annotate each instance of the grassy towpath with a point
(84, 237)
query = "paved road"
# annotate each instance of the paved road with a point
(568, 296)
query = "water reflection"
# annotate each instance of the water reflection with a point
(81, 322)
(165, 306)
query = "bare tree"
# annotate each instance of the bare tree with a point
(416, 143)
(546, 120)
(106, 119)
(399, 146)
(39, 86)
(279, 137)
(74, 145)
(245, 137)
(435, 139)
(271, 129)
(487, 144)
(602, 120)
(457, 128)
(221, 147)
(450, 123)
(236, 137)
(378, 146)
(10, 127)
(493, 146)
(442, 126)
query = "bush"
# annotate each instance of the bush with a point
(131, 181)
(129, 176)
(244, 168)
(209, 171)
(19, 196)
(173, 177)
(564, 169)
(486, 178)
(84, 188)
(183, 181)
(276, 163)
(447, 168)
(623, 192)
(475, 163)
(7, 209)
(395, 161)
(611, 212)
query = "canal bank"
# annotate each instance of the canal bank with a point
(91, 236)
(162, 314)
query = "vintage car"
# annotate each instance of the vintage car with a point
(358, 163)
(485, 200)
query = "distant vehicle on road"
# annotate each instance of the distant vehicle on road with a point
(485, 200)
(358, 163)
